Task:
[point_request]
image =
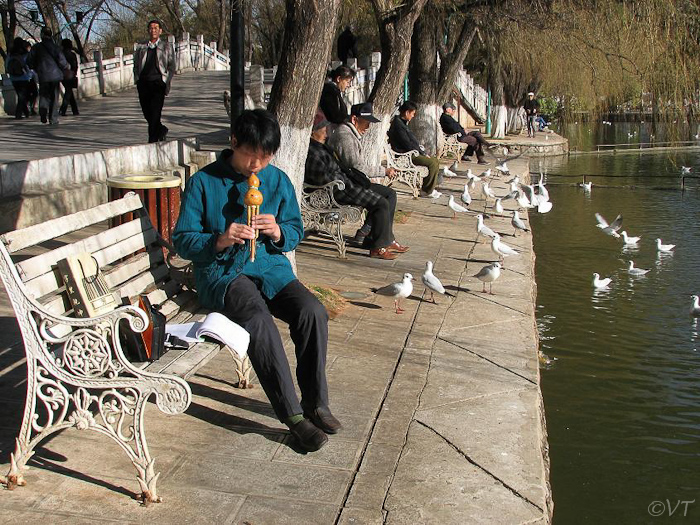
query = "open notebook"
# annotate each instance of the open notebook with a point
(216, 326)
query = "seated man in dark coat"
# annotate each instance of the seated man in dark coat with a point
(474, 139)
(402, 139)
(380, 201)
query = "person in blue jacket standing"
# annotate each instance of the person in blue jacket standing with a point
(213, 233)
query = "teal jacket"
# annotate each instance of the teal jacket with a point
(213, 199)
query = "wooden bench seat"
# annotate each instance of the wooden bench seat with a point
(77, 373)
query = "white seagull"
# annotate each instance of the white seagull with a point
(482, 229)
(397, 290)
(501, 249)
(432, 283)
(502, 167)
(455, 166)
(636, 271)
(599, 283)
(466, 197)
(544, 194)
(629, 241)
(544, 206)
(518, 223)
(456, 208)
(523, 201)
(586, 186)
(667, 248)
(695, 308)
(686, 169)
(498, 206)
(448, 172)
(488, 274)
(486, 191)
(486, 173)
(609, 229)
(515, 180)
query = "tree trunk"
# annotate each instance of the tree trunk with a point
(308, 35)
(74, 32)
(220, 41)
(48, 14)
(9, 25)
(395, 30)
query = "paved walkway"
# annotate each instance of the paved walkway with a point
(441, 408)
(194, 106)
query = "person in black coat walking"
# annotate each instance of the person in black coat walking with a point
(347, 45)
(70, 83)
(332, 103)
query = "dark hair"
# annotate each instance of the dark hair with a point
(154, 21)
(19, 46)
(343, 72)
(258, 129)
(46, 32)
(408, 106)
(67, 44)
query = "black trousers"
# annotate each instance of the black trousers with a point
(48, 100)
(69, 98)
(152, 98)
(22, 90)
(308, 326)
(380, 218)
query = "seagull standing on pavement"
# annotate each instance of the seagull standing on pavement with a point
(502, 167)
(486, 191)
(599, 283)
(448, 172)
(666, 248)
(501, 249)
(397, 290)
(488, 274)
(455, 166)
(466, 197)
(482, 229)
(432, 283)
(486, 173)
(518, 223)
(498, 206)
(456, 208)
(609, 229)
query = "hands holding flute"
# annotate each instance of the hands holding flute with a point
(238, 233)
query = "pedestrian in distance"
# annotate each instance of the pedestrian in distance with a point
(154, 67)
(70, 81)
(33, 86)
(50, 64)
(20, 75)
(347, 45)
(532, 109)
(212, 231)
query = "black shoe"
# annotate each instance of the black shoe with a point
(323, 419)
(308, 436)
(482, 161)
(163, 134)
(62, 112)
(44, 117)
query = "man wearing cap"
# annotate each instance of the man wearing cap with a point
(347, 147)
(532, 108)
(380, 201)
(474, 139)
(402, 140)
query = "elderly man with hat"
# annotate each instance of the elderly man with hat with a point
(531, 107)
(474, 139)
(355, 169)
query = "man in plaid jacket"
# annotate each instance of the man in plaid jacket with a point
(380, 201)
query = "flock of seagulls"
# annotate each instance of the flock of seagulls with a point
(533, 196)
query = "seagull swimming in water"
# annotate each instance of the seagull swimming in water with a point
(456, 208)
(586, 186)
(432, 283)
(599, 283)
(695, 307)
(609, 229)
(629, 241)
(488, 274)
(636, 271)
(397, 290)
(666, 248)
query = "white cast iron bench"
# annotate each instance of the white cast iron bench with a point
(406, 172)
(77, 374)
(452, 146)
(320, 212)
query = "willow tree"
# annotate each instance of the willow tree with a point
(395, 20)
(308, 35)
(441, 40)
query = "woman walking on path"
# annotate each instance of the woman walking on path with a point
(20, 75)
(71, 82)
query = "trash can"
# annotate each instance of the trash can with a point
(160, 195)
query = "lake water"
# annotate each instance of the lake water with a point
(622, 393)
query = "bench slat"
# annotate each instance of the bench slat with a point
(32, 235)
(137, 234)
(143, 281)
(192, 360)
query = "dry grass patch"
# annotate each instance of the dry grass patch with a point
(330, 299)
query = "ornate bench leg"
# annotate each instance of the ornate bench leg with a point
(337, 234)
(243, 369)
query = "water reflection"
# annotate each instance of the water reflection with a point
(622, 399)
